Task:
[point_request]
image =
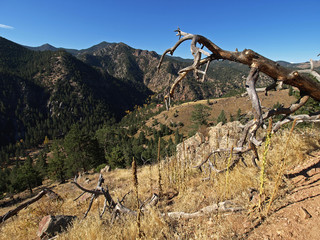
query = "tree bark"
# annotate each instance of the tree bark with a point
(257, 63)
(15, 211)
(250, 58)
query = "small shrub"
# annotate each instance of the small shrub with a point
(101, 166)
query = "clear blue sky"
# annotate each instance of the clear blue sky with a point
(278, 29)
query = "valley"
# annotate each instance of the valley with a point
(68, 112)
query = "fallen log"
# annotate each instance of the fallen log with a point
(118, 208)
(15, 211)
(221, 207)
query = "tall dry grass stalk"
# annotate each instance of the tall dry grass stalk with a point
(159, 171)
(150, 178)
(227, 173)
(198, 194)
(282, 169)
(135, 183)
(264, 160)
(183, 166)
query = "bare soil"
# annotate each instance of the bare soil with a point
(297, 216)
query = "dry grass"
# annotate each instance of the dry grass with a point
(182, 113)
(194, 193)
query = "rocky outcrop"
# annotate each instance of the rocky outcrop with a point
(123, 62)
(197, 147)
(51, 225)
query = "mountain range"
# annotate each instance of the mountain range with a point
(45, 90)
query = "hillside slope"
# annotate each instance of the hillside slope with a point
(183, 113)
(44, 93)
(187, 190)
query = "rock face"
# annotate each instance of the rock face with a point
(140, 66)
(51, 225)
(105, 169)
(196, 148)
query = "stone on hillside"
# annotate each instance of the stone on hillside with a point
(225, 136)
(51, 225)
(87, 181)
(196, 148)
(105, 169)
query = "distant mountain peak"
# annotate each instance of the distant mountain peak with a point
(47, 45)
(44, 47)
(97, 47)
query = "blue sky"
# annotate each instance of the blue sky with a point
(278, 29)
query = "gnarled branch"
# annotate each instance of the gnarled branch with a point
(311, 71)
(250, 58)
(257, 63)
(15, 211)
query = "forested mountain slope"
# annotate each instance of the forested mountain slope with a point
(44, 93)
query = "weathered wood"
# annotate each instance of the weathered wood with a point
(257, 63)
(247, 57)
(15, 211)
(222, 207)
(311, 71)
(118, 208)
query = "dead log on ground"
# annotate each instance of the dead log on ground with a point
(118, 208)
(15, 211)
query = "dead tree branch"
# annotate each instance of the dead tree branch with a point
(222, 207)
(118, 208)
(311, 71)
(247, 57)
(15, 211)
(257, 63)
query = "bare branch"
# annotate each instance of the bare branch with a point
(300, 118)
(226, 206)
(311, 71)
(171, 50)
(15, 211)
(287, 111)
(251, 58)
(97, 192)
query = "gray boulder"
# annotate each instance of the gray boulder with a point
(51, 225)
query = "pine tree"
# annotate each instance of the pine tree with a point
(41, 164)
(82, 151)
(56, 165)
(29, 175)
(238, 117)
(200, 115)
(177, 137)
(222, 117)
(231, 119)
(290, 91)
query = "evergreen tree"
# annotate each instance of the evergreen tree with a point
(290, 90)
(200, 115)
(222, 117)
(25, 177)
(177, 137)
(4, 180)
(142, 138)
(238, 117)
(171, 148)
(56, 165)
(82, 151)
(29, 175)
(41, 164)
(231, 118)
(116, 158)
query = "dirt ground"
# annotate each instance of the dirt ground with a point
(295, 216)
(298, 216)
